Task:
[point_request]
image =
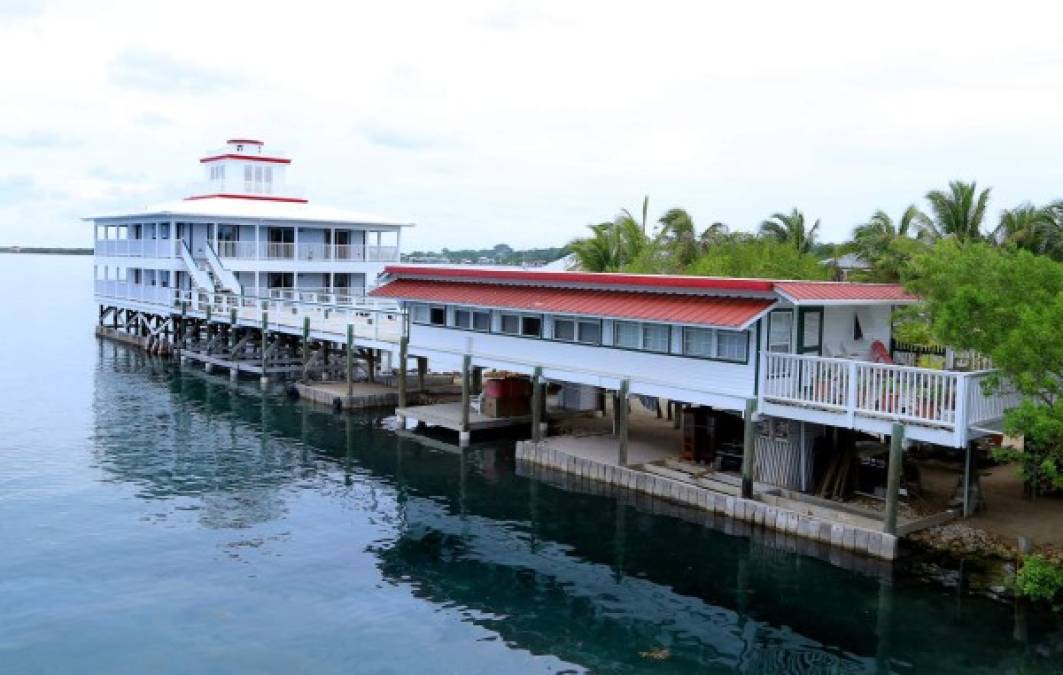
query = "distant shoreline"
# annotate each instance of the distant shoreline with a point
(46, 250)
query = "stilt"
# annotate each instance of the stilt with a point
(422, 371)
(264, 379)
(306, 348)
(972, 486)
(620, 415)
(350, 361)
(466, 366)
(537, 405)
(749, 449)
(404, 345)
(893, 478)
(677, 414)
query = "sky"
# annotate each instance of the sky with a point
(523, 122)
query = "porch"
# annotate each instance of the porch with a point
(944, 407)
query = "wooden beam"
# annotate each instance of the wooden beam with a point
(749, 449)
(893, 478)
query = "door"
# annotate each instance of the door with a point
(810, 331)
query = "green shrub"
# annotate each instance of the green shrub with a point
(1040, 579)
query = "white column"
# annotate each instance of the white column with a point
(258, 251)
(295, 244)
(398, 244)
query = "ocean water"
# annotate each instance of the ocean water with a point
(165, 521)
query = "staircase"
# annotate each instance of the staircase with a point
(203, 279)
(220, 275)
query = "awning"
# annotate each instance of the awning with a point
(716, 311)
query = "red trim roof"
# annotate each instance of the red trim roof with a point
(583, 278)
(261, 198)
(254, 158)
(723, 312)
(827, 291)
(246, 141)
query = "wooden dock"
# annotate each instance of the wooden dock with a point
(448, 416)
(367, 394)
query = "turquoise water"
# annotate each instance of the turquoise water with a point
(160, 521)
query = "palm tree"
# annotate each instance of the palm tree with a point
(1025, 226)
(626, 216)
(612, 245)
(678, 238)
(712, 235)
(959, 212)
(790, 228)
(875, 236)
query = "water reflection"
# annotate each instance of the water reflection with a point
(596, 579)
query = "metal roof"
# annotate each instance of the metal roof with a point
(839, 292)
(718, 311)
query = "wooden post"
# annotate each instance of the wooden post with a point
(677, 414)
(350, 361)
(537, 405)
(404, 345)
(306, 348)
(620, 415)
(422, 370)
(232, 328)
(971, 494)
(466, 365)
(749, 449)
(265, 329)
(893, 478)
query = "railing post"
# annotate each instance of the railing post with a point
(963, 401)
(850, 393)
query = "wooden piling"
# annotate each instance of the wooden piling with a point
(466, 366)
(306, 348)
(265, 329)
(537, 405)
(422, 371)
(350, 360)
(404, 345)
(893, 478)
(749, 449)
(620, 414)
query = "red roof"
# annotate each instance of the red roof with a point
(583, 278)
(720, 311)
(828, 291)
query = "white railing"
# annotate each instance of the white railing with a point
(249, 250)
(140, 248)
(144, 293)
(371, 319)
(200, 277)
(935, 398)
(223, 274)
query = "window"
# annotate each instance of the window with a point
(780, 331)
(471, 319)
(463, 318)
(656, 337)
(590, 332)
(698, 342)
(419, 313)
(571, 330)
(564, 329)
(481, 321)
(510, 324)
(531, 326)
(437, 316)
(731, 345)
(626, 334)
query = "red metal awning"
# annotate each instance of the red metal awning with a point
(718, 311)
(811, 292)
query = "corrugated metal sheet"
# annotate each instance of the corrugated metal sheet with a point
(842, 291)
(723, 312)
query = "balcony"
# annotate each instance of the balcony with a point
(943, 406)
(137, 248)
(141, 293)
(249, 250)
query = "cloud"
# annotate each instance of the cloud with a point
(396, 138)
(146, 70)
(20, 9)
(16, 188)
(38, 140)
(153, 120)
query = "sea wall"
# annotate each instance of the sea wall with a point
(842, 536)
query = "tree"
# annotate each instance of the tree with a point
(677, 237)
(884, 245)
(789, 228)
(744, 256)
(1008, 305)
(611, 246)
(958, 213)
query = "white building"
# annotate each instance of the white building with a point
(243, 231)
